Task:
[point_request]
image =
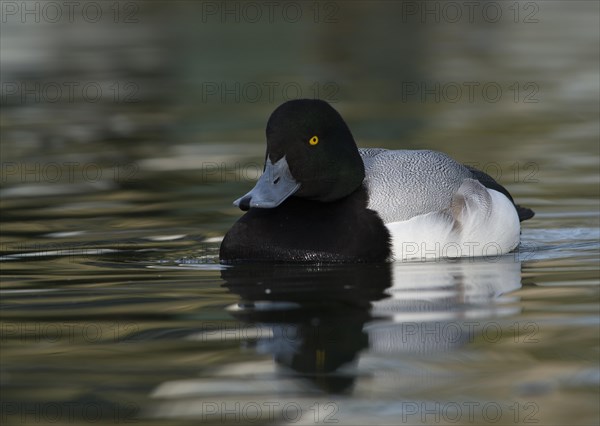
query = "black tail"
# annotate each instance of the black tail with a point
(524, 213)
(489, 182)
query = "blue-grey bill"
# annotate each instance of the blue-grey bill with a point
(274, 186)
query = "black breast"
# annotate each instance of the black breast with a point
(301, 230)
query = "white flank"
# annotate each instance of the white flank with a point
(481, 222)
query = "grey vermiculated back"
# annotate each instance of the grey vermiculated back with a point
(405, 183)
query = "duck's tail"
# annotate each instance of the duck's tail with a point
(524, 213)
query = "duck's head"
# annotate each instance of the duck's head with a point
(310, 154)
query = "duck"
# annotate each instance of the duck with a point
(321, 199)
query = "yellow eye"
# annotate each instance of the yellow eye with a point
(314, 140)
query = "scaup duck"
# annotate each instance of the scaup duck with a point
(321, 199)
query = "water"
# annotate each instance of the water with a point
(116, 310)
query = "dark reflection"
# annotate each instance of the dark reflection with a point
(319, 318)
(316, 314)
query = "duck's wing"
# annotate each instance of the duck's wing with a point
(404, 184)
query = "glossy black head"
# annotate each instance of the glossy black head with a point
(318, 147)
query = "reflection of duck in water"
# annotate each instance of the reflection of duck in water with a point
(341, 329)
(321, 317)
(442, 306)
(316, 314)
(321, 199)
